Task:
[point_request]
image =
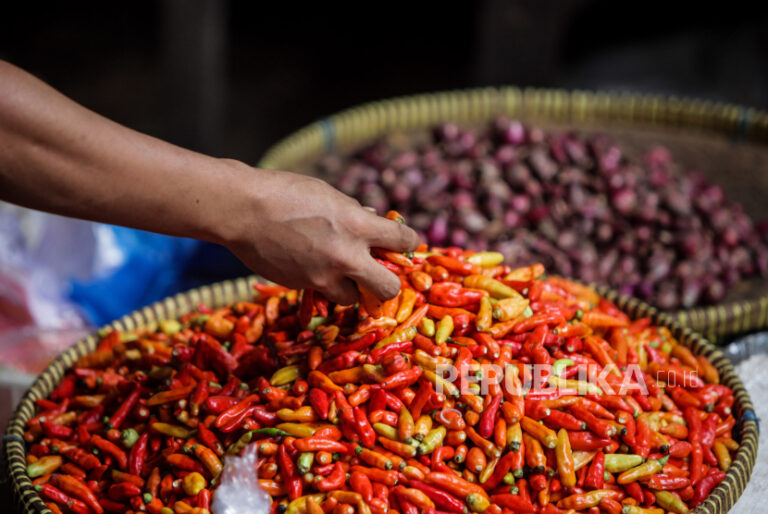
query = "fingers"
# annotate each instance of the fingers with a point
(392, 235)
(342, 292)
(377, 279)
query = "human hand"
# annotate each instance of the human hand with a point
(300, 232)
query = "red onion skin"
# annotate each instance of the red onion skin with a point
(575, 202)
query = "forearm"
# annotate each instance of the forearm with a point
(58, 156)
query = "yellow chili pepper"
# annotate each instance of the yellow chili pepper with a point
(510, 308)
(565, 461)
(645, 469)
(430, 362)
(545, 435)
(477, 502)
(297, 429)
(209, 459)
(582, 458)
(496, 288)
(172, 430)
(432, 440)
(427, 327)
(484, 318)
(636, 509)
(284, 376)
(583, 501)
(671, 502)
(299, 505)
(723, 455)
(44, 465)
(444, 329)
(441, 384)
(302, 414)
(422, 426)
(488, 470)
(618, 462)
(407, 301)
(385, 430)
(398, 336)
(486, 259)
(514, 436)
(526, 273)
(582, 386)
(193, 483)
(169, 326)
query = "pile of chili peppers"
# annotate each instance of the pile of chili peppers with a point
(352, 412)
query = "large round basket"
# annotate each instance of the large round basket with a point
(720, 500)
(726, 142)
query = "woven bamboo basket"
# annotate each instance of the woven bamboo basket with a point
(726, 142)
(722, 498)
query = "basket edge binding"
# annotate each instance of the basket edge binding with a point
(722, 498)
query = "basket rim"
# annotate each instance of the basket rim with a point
(367, 121)
(218, 294)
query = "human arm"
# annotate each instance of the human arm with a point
(60, 157)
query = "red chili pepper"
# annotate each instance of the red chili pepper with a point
(378, 354)
(209, 439)
(340, 362)
(65, 389)
(708, 429)
(443, 500)
(635, 491)
(219, 403)
(595, 477)
(357, 345)
(237, 413)
(361, 484)
(73, 486)
(595, 424)
(705, 486)
(696, 462)
(666, 482)
(512, 501)
(454, 265)
(488, 417)
(112, 449)
(451, 294)
(402, 378)
(560, 419)
(122, 412)
(320, 402)
(364, 429)
(587, 441)
(511, 461)
(122, 491)
(138, 455)
(333, 481)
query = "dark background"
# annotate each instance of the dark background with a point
(231, 78)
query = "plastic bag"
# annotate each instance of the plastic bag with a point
(239, 490)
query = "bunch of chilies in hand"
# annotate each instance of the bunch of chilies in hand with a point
(393, 407)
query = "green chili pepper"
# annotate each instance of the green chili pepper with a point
(432, 440)
(618, 462)
(304, 462)
(270, 432)
(241, 443)
(129, 437)
(559, 366)
(315, 322)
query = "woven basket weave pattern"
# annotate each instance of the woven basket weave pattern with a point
(223, 293)
(353, 128)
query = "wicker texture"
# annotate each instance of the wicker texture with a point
(350, 129)
(223, 293)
